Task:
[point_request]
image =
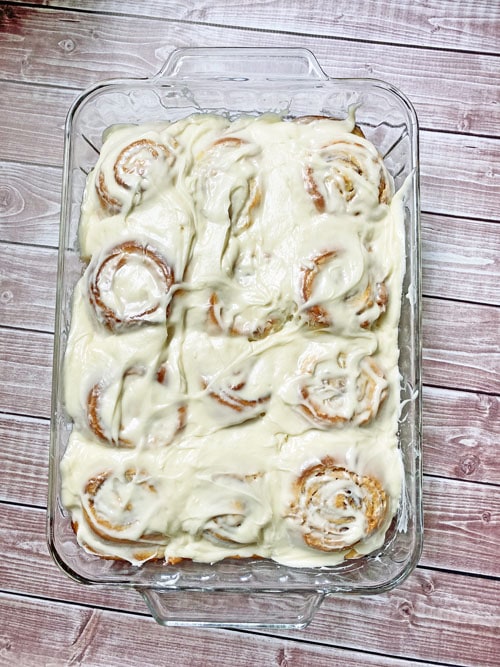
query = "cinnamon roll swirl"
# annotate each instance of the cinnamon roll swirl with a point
(338, 291)
(337, 508)
(116, 510)
(251, 302)
(141, 166)
(228, 510)
(229, 181)
(334, 391)
(239, 389)
(131, 286)
(114, 410)
(347, 175)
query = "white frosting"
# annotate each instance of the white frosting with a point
(234, 334)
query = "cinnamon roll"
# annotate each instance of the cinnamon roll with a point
(228, 510)
(131, 286)
(251, 301)
(334, 391)
(347, 175)
(140, 166)
(114, 410)
(229, 182)
(116, 509)
(339, 292)
(337, 508)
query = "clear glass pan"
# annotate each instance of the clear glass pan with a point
(245, 593)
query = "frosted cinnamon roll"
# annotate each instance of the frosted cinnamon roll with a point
(116, 511)
(140, 167)
(115, 408)
(229, 182)
(338, 291)
(251, 302)
(131, 286)
(337, 508)
(339, 390)
(347, 175)
(228, 510)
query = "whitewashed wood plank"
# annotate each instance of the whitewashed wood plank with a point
(459, 175)
(461, 435)
(25, 372)
(417, 619)
(28, 280)
(467, 187)
(462, 526)
(460, 259)
(432, 616)
(451, 91)
(24, 452)
(436, 23)
(461, 346)
(30, 199)
(56, 635)
(33, 123)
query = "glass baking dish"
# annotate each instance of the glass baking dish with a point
(250, 592)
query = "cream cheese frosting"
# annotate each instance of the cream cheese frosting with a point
(232, 365)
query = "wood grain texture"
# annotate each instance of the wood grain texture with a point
(28, 279)
(461, 346)
(435, 616)
(25, 372)
(451, 91)
(30, 201)
(24, 452)
(95, 638)
(461, 527)
(461, 259)
(436, 23)
(465, 183)
(461, 435)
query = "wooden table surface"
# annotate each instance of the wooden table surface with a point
(443, 54)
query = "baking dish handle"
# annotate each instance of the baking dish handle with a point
(232, 609)
(241, 63)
